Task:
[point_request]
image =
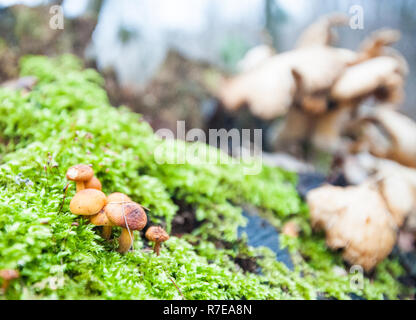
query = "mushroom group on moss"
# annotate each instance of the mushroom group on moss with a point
(116, 210)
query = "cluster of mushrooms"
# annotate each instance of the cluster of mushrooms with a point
(343, 102)
(317, 87)
(114, 210)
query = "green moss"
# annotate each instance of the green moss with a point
(67, 119)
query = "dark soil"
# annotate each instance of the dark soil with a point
(185, 221)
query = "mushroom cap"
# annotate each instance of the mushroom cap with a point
(87, 202)
(291, 229)
(320, 32)
(356, 219)
(156, 234)
(319, 67)
(255, 56)
(269, 89)
(376, 43)
(399, 197)
(400, 132)
(80, 172)
(93, 183)
(118, 197)
(100, 219)
(364, 78)
(9, 274)
(132, 213)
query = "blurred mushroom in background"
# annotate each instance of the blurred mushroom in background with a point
(255, 56)
(317, 88)
(321, 32)
(355, 219)
(386, 133)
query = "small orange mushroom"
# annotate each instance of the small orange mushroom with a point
(8, 275)
(80, 173)
(157, 235)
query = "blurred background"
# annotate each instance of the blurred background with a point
(159, 56)
(166, 59)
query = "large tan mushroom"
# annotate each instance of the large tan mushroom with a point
(269, 89)
(399, 197)
(402, 133)
(380, 76)
(396, 183)
(355, 219)
(389, 134)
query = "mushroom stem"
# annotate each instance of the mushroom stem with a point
(156, 248)
(80, 186)
(125, 241)
(5, 285)
(106, 232)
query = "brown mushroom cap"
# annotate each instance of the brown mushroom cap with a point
(118, 197)
(80, 172)
(87, 202)
(100, 219)
(132, 213)
(156, 234)
(93, 183)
